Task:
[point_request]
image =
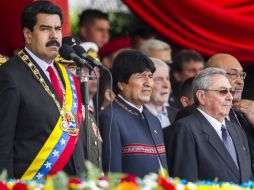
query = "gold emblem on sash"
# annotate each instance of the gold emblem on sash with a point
(69, 124)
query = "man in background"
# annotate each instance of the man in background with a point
(94, 27)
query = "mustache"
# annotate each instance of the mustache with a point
(53, 42)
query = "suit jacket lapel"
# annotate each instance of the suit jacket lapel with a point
(235, 138)
(170, 115)
(45, 77)
(216, 143)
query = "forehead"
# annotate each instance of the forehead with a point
(192, 63)
(102, 23)
(161, 54)
(232, 65)
(48, 19)
(218, 81)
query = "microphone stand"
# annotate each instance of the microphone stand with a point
(84, 79)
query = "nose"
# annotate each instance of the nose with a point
(229, 96)
(53, 34)
(239, 80)
(166, 83)
(148, 81)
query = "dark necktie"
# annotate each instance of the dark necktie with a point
(227, 141)
(55, 82)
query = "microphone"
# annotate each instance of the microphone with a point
(71, 41)
(68, 53)
(82, 53)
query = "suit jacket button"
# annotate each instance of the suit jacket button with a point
(95, 143)
(243, 148)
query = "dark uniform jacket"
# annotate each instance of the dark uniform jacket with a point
(132, 142)
(27, 117)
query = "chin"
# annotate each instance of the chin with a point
(146, 99)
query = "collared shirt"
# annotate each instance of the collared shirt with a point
(132, 105)
(214, 122)
(162, 116)
(42, 64)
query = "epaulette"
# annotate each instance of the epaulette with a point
(2, 59)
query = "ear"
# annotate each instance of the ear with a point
(120, 85)
(177, 76)
(107, 95)
(27, 35)
(83, 31)
(201, 96)
(184, 101)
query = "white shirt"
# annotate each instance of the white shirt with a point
(162, 116)
(42, 64)
(214, 122)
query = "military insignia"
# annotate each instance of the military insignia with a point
(96, 131)
(24, 57)
(36, 71)
(2, 60)
(69, 124)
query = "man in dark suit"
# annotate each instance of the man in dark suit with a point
(205, 146)
(242, 113)
(40, 102)
(132, 136)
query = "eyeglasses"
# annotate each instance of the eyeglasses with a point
(235, 74)
(223, 91)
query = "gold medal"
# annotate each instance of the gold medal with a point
(69, 124)
(64, 126)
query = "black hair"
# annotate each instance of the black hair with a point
(186, 88)
(129, 62)
(29, 15)
(184, 57)
(141, 32)
(88, 16)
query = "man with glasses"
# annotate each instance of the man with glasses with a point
(206, 146)
(243, 110)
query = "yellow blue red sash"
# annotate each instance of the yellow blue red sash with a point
(59, 146)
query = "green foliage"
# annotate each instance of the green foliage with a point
(60, 181)
(92, 172)
(4, 175)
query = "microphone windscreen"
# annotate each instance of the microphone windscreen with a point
(72, 41)
(80, 51)
(65, 51)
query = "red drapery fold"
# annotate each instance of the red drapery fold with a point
(208, 26)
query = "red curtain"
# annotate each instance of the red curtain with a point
(11, 36)
(208, 26)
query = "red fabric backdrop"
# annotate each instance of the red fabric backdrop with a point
(11, 37)
(208, 26)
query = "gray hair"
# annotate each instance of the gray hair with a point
(159, 63)
(153, 44)
(203, 80)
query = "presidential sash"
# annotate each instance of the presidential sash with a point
(57, 149)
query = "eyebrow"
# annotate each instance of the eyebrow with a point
(47, 26)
